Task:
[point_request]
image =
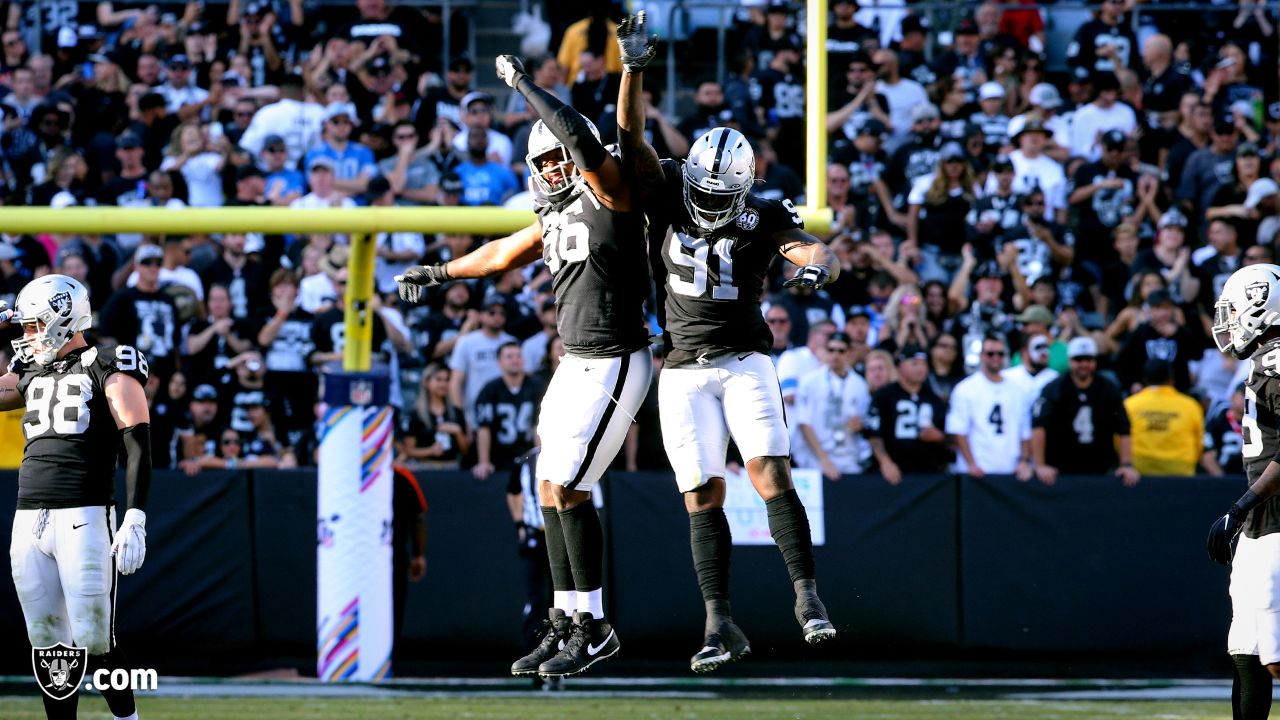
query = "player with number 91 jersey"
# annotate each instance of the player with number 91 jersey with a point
(715, 277)
(72, 441)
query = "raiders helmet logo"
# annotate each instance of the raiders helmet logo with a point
(60, 303)
(749, 220)
(59, 669)
(1257, 293)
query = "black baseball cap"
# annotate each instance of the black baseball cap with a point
(872, 127)
(987, 269)
(911, 351)
(1160, 297)
(248, 170)
(205, 393)
(1114, 139)
(451, 183)
(461, 63)
(967, 27)
(128, 141)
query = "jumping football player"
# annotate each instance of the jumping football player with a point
(590, 233)
(1247, 325)
(81, 406)
(719, 380)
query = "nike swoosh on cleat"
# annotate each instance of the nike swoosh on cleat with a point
(593, 650)
(77, 527)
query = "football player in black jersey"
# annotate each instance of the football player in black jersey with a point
(1246, 326)
(590, 233)
(719, 380)
(81, 406)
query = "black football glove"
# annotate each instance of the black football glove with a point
(417, 277)
(1223, 535)
(636, 46)
(810, 276)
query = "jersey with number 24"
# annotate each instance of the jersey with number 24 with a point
(72, 441)
(714, 278)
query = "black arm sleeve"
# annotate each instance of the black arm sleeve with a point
(566, 124)
(137, 473)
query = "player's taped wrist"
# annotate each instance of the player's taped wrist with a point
(1247, 502)
(137, 474)
(566, 124)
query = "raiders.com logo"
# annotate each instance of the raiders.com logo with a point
(59, 669)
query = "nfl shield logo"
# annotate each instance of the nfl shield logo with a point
(61, 302)
(749, 220)
(1257, 293)
(361, 392)
(59, 669)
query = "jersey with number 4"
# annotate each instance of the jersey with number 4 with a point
(993, 417)
(1260, 429)
(598, 261)
(714, 279)
(1081, 425)
(72, 441)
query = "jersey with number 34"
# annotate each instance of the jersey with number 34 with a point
(72, 441)
(714, 279)
(1260, 431)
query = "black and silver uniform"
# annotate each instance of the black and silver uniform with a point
(1224, 437)
(714, 278)
(1081, 425)
(896, 416)
(511, 418)
(1261, 432)
(600, 274)
(72, 441)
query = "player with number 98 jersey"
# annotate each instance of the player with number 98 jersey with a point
(71, 438)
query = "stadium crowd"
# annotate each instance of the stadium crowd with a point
(997, 224)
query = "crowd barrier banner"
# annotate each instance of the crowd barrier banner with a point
(1086, 564)
(936, 564)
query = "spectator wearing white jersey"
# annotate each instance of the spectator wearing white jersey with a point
(830, 406)
(988, 419)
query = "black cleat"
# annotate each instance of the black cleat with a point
(555, 629)
(590, 642)
(811, 614)
(724, 644)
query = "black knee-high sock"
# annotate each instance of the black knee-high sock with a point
(1253, 701)
(584, 540)
(557, 554)
(120, 701)
(60, 709)
(789, 526)
(711, 542)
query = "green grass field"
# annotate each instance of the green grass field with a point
(547, 708)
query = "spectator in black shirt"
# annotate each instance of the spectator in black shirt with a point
(904, 422)
(434, 431)
(506, 414)
(445, 101)
(243, 276)
(709, 110)
(143, 316)
(1161, 337)
(211, 342)
(1104, 44)
(1104, 195)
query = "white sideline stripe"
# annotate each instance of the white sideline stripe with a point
(391, 685)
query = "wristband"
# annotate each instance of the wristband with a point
(1247, 502)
